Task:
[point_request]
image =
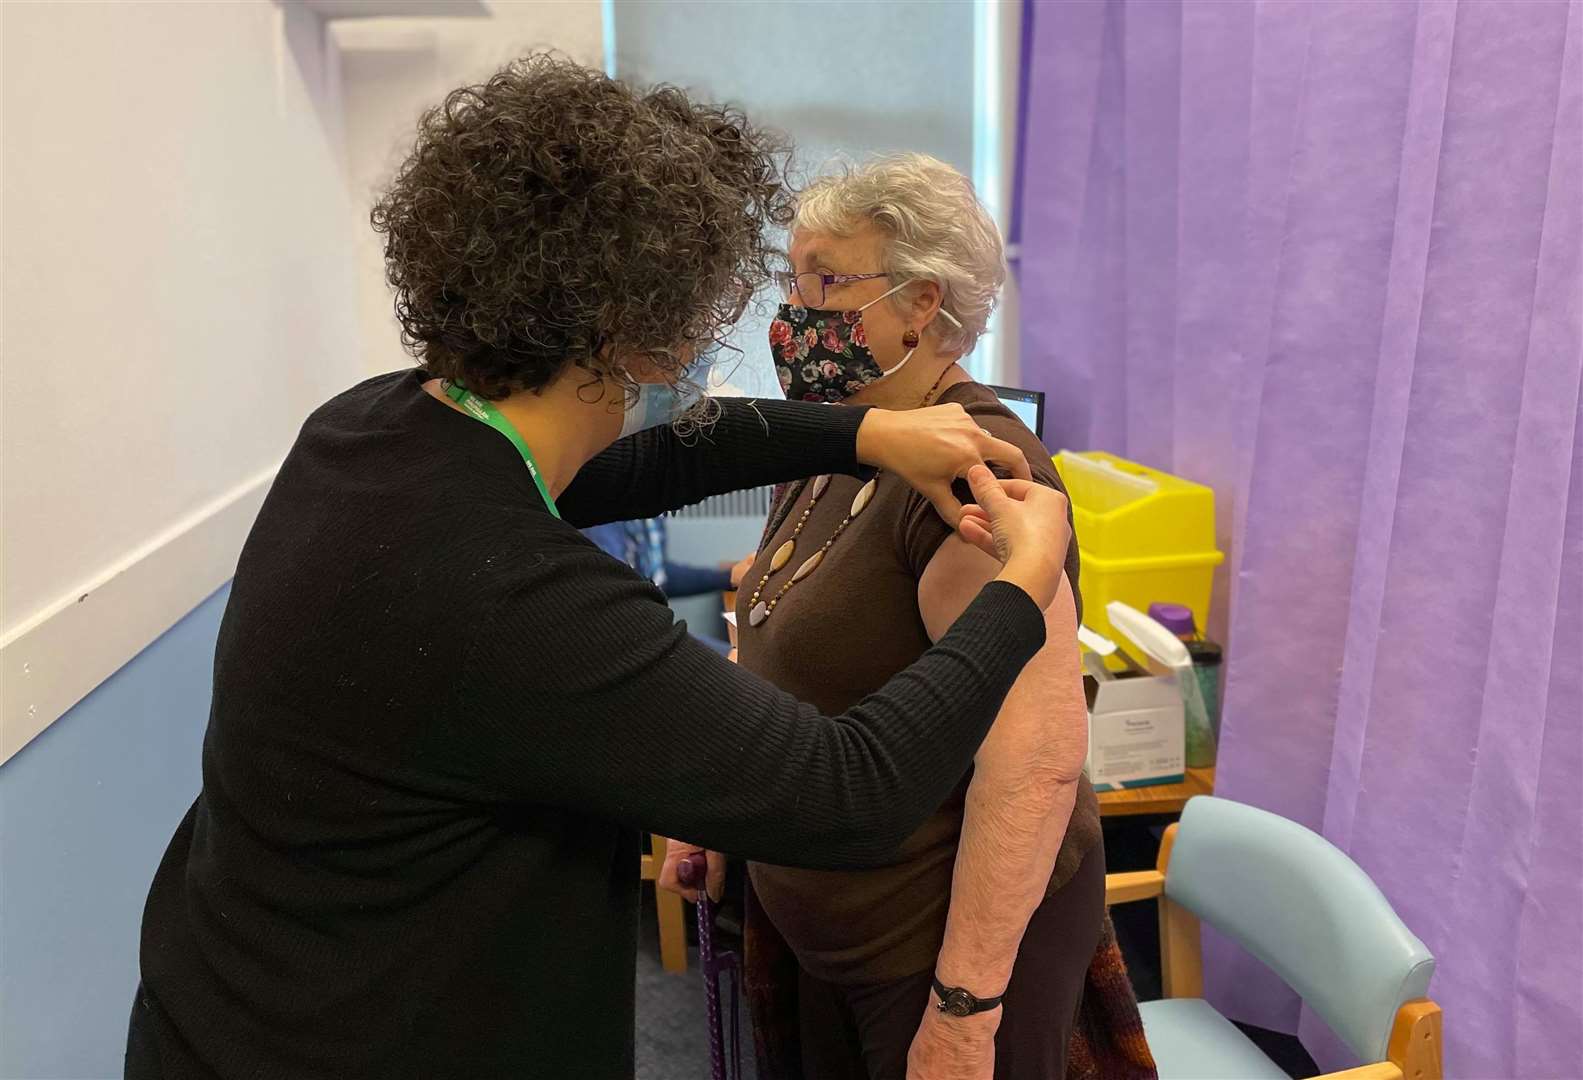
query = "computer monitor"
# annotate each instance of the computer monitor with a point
(1026, 405)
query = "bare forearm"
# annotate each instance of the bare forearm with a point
(1011, 834)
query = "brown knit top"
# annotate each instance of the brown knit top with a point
(835, 637)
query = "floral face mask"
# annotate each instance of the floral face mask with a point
(823, 354)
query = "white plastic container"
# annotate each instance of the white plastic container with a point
(1136, 734)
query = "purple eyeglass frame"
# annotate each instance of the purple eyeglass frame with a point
(789, 281)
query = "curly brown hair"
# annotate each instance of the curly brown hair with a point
(552, 216)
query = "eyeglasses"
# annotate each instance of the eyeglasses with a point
(810, 286)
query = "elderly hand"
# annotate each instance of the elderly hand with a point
(953, 1047)
(714, 879)
(930, 448)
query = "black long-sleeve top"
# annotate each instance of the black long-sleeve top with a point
(441, 718)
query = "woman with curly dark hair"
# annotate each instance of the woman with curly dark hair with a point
(441, 716)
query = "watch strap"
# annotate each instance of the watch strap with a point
(959, 1002)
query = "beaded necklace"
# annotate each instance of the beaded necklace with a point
(759, 610)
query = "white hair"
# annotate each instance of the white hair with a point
(935, 230)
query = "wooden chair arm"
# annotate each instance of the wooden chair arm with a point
(1414, 1051)
(1416, 1040)
(1134, 885)
(1385, 1070)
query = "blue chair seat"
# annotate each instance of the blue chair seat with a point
(1191, 1041)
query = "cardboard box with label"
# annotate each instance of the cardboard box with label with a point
(1136, 734)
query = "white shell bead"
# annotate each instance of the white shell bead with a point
(810, 566)
(864, 495)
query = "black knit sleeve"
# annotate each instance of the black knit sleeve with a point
(753, 443)
(582, 693)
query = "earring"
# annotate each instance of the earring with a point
(910, 339)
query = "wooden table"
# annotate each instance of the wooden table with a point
(1158, 799)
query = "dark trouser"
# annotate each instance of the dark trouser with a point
(863, 1032)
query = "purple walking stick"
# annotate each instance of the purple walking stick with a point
(691, 873)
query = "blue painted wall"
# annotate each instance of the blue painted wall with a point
(86, 810)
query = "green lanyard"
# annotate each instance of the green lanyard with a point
(483, 409)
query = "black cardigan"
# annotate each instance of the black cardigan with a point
(441, 718)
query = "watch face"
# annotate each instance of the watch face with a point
(957, 1003)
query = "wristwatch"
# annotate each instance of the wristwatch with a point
(958, 1002)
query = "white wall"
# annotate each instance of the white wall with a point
(188, 271)
(178, 294)
(393, 69)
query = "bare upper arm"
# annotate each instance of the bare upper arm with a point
(1045, 708)
(955, 574)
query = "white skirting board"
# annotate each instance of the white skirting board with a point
(51, 661)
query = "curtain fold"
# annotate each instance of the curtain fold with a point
(1328, 258)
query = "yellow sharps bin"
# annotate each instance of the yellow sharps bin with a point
(1145, 536)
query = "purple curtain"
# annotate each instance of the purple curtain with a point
(1328, 258)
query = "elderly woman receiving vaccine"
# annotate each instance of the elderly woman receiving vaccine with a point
(965, 955)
